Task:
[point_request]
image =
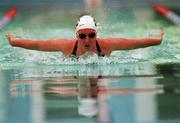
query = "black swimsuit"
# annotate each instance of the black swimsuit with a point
(99, 52)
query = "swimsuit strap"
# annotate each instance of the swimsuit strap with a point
(99, 49)
(75, 49)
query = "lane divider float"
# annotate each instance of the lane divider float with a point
(173, 17)
(7, 17)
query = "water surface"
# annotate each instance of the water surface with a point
(136, 86)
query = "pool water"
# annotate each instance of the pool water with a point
(44, 22)
(136, 86)
(138, 94)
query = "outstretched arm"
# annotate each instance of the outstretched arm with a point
(42, 45)
(128, 44)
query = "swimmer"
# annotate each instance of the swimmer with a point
(86, 41)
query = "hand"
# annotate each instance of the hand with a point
(157, 35)
(160, 36)
(10, 37)
(161, 33)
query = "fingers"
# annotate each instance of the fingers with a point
(10, 37)
(161, 33)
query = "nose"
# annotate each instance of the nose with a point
(86, 39)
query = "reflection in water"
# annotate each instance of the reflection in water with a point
(2, 98)
(92, 93)
(102, 99)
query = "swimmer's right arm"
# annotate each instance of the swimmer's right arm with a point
(42, 45)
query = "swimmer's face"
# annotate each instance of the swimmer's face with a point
(86, 37)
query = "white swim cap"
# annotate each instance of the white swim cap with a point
(86, 22)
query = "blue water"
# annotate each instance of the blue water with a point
(136, 86)
(140, 94)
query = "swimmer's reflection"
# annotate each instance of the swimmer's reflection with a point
(84, 87)
(92, 92)
(93, 87)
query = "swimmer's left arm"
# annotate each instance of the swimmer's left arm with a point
(128, 44)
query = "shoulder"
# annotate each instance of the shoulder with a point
(68, 46)
(104, 44)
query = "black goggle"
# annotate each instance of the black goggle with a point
(83, 36)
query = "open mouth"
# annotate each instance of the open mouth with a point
(87, 45)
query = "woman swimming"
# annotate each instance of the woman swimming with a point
(86, 41)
